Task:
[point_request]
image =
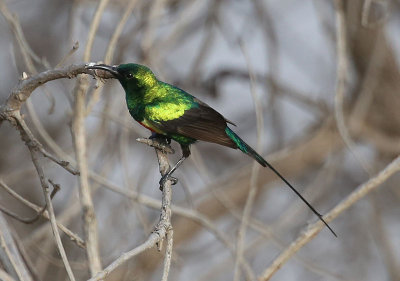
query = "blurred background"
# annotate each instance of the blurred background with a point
(268, 66)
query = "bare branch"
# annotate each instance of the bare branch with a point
(10, 257)
(341, 81)
(168, 254)
(69, 54)
(315, 228)
(79, 138)
(5, 276)
(39, 169)
(39, 213)
(162, 228)
(156, 144)
(26, 86)
(74, 237)
(251, 196)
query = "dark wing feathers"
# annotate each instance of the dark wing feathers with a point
(203, 104)
(200, 123)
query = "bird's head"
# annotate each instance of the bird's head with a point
(132, 76)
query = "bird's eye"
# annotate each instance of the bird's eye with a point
(129, 75)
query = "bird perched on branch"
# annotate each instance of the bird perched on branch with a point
(172, 113)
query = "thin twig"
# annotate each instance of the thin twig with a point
(74, 48)
(154, 17)
(118, 30)
(156, 144)
(79, 138)
(193, 215)
(93, 28)
(22, 92)
(38, 146)
(315, 228)
(10, 257)
(129, 183)
(26, 50)
(38, 214)
(267, 232)
(65, 164)
(366, 11)
(39, 169)
(5, 276)
(161, 229)
(74, 237)
(26, 86)
(90, 222)
(110, 51)
(151, 241)
(341, 80)
(254, 171)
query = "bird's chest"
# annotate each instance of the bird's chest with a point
(136, 109)
(137, 114)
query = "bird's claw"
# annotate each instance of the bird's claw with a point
(165, 178)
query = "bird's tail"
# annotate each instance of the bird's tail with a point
(245, 148)
(252, 153)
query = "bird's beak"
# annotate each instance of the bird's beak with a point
(112, 69)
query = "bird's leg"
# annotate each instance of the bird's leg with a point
(185, 154)
(154, 135)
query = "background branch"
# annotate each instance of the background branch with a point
(314, 229)
(326, 97)
(79, 138)
(10, 257)
(162, 230)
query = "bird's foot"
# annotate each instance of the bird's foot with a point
(157, 143)
(162, 138)
(164, 179)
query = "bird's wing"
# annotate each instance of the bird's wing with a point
(200, 122)
(206, 105)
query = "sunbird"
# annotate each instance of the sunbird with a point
(172, 113)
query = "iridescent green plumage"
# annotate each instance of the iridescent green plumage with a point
(170, 111)
(173, 113)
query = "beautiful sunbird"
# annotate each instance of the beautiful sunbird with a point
(172, 113)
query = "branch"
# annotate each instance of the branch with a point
(10, 111)
(315, 228)
(79, 140)
(156, 144)
(73, 237)
(39, 169)
(10, 258)
(251, 196)
(341, 81)
(195, 216)
(39, 212)
(5, 276)
(162, 229)
(27, 85)
(38, 146)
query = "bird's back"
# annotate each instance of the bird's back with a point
(166, 102)
(179, 114)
